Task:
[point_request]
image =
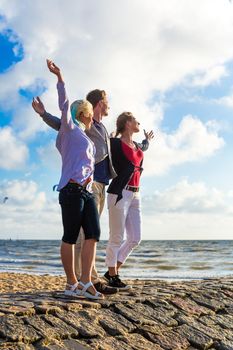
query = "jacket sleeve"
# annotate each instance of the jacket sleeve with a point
(51, 120)
(144, 145)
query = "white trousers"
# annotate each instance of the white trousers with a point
(124, 217)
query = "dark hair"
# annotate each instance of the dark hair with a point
(122, 119)
(95, 96)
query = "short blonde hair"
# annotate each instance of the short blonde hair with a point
(79, 107)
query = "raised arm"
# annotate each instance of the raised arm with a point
(51, 120)
(48, 118)
(145, 143)
(63, 101)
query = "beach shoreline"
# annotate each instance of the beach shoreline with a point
(153, 315)
(170, 260)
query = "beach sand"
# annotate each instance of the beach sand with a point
(18, 282)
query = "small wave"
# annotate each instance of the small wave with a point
(146, 263)
(167, 267)
(30, 262)
(201, 267)
(146, 255)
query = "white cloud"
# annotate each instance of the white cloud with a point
(212, 75)
(13, 153)
(192, 141)
(186, 197)
(188, 210)
(129, 48)
(50, 156)
(187, 226)
(28, 212)
(23, 194)
(225, 101)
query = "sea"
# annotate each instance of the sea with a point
(173, 260)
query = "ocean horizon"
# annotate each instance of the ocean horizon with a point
(152, 259)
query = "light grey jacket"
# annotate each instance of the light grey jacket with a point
(102, 144)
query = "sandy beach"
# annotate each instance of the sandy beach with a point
(18, 282)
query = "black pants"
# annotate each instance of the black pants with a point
(78, 210)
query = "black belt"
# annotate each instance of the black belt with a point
(132, 188)
(76, 185)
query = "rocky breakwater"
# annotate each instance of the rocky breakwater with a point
(153, 315)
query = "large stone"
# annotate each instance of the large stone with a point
(47, 309)
(195, 337)
(115, 324)
(158, 314)
(210, 303)
(228, 293)
(46, 330)
(61, 326)
(138, 342)
(17, 307)
(156, 329)
(211, 323)
(213, 332)
(109, 343)
(85, 322)
(167, 340)
(160, 303)
(189, 307)
(218, 295)
(225, 321)
(69, 344)
(225, 345)
(13, 329)
(132, 315)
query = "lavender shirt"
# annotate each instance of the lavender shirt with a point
(76, 149)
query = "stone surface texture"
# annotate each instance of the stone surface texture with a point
(153, 315)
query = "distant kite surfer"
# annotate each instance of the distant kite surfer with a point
(5, 199)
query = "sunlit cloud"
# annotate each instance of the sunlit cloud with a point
(13, 152)
(192, 141)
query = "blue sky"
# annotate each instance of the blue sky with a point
(176, 78)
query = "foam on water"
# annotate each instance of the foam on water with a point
(151, 260)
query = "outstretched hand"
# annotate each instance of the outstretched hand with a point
(38, 105)
(149, 135)
(54, 69)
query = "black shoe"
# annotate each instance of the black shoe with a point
(105, 289)
(107, 276)
(116, 282)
